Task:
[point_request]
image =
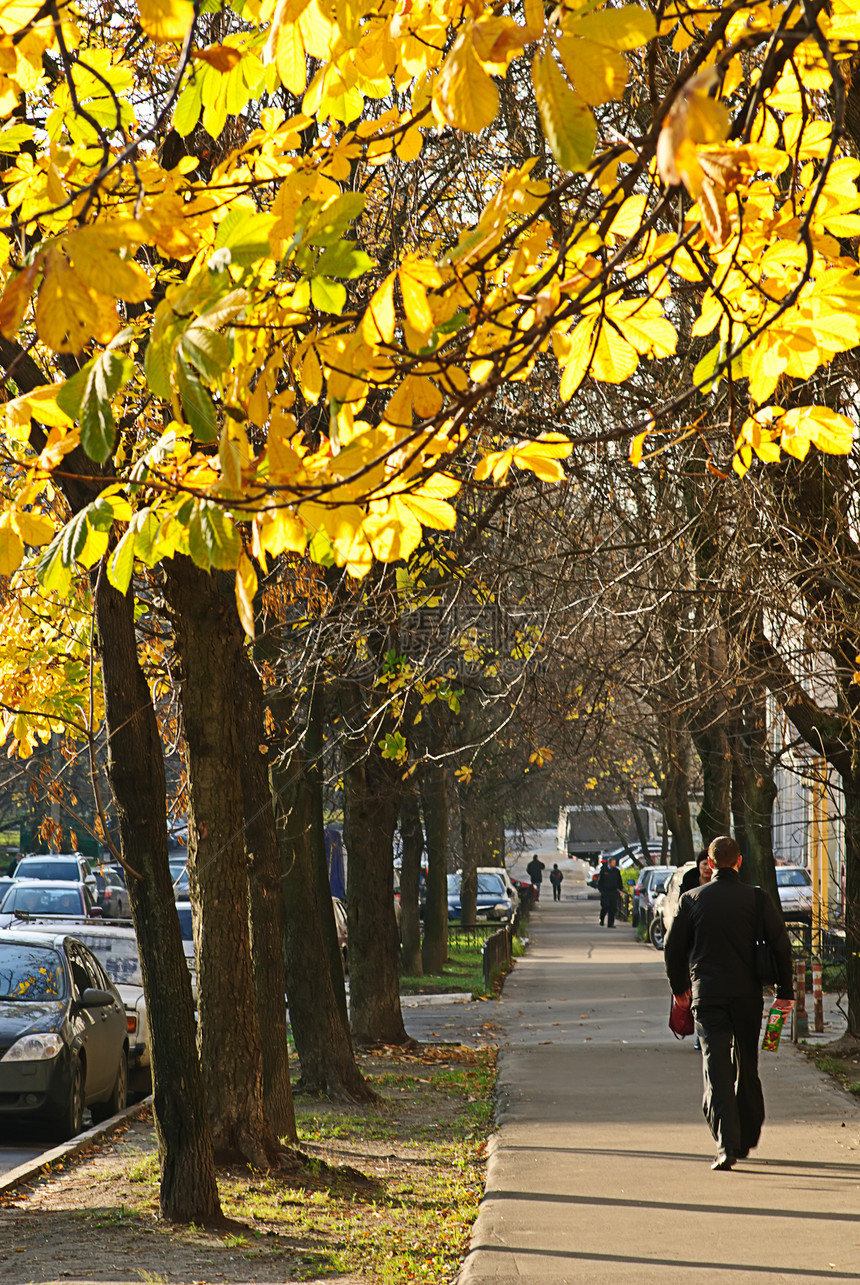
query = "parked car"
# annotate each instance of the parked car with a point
(179, 875)
(56, 865)
(47, 897)
(794, 884)
(6, 882)
(112, 894)
(493, 901)
(651, 882)
(186, 928)
(506, 879)
(63, 1035)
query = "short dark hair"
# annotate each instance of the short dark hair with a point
(724, 851)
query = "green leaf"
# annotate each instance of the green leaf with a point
(189, 106)
(320, 549)
(121, 563)
(208, 351)
(213, 538)
(328, 295)
(343, 260)
(197, 405)
(703, 374)
(567, 120)
(52, 571)
(246, 235)
(157, 367)
(325, 227)
(74, 538)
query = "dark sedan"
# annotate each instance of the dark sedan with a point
(493, 900)
(63, 1034)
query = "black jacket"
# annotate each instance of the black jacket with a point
(710, 944)
(609, 881)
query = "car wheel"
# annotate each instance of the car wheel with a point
(71, 1121)
(119, 1096)
(656, 932)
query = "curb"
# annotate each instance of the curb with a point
(32, 1168)
(426, 1001)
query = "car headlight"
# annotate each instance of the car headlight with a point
(34, 1048)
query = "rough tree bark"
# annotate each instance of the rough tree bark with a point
(187, 1191)
(208, 639)
(317, 1017)
(410, 882)
(135, 764)
(372, 788)
(266, 899)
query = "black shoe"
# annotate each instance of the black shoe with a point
(725, 1160)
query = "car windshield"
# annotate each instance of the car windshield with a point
(186, 927)
(30, 973)
(659, 880)
(117, 954)
(798, 878)
(37, 900)
(50, 868)
(490, 886)
(453, 883)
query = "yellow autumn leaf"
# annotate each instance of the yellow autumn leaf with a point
(15, 298)
(826, 429)
(464, 94)
(415, 275)
(11, 546)
(282, 531)
(614, 358)
(432, 513)
(35, 528)
(597, 74)
(580, 349)
(66, 313)
(103, 270)
(378, 323)
(567, 121)
(166, 19)
(246, 588)
(393, 532)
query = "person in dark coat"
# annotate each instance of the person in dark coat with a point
(699, 874)
(709, 954)
(555, 878)
(535, 869)
(609, 885)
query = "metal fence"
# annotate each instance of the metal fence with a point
(497, 953)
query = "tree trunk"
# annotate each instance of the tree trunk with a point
(188, 1191)
(712, 745)
(265, 899)
(851, 794)
(317, 1018)
(372, 787)
(410, 883)
(754, 794)
(314, 783)
(208, 639)
(434, 801)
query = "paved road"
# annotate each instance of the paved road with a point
(14, 1154)
(600, 1168)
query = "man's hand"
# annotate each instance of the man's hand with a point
(684, 1000)
(784, 1005)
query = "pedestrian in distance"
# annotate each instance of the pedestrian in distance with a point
(710, 962)
(555, 878)
(609, 885)
(699, 874)
(535, 869)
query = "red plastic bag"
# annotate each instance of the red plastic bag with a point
(681, 1020)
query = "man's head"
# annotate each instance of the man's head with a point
(724, 853)
(704, 863)
(613, 862)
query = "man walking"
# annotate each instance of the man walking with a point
(710, 961)
(535, 869)
(609, 885)
(555, 878)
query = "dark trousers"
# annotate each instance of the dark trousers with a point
(733, 1101)
(608, 904)
(556, 892)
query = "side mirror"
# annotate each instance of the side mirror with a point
(95, 912)
(93, 998)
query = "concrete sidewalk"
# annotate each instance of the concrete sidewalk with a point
(599, 1169)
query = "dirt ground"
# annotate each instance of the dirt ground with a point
(94, 1219)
